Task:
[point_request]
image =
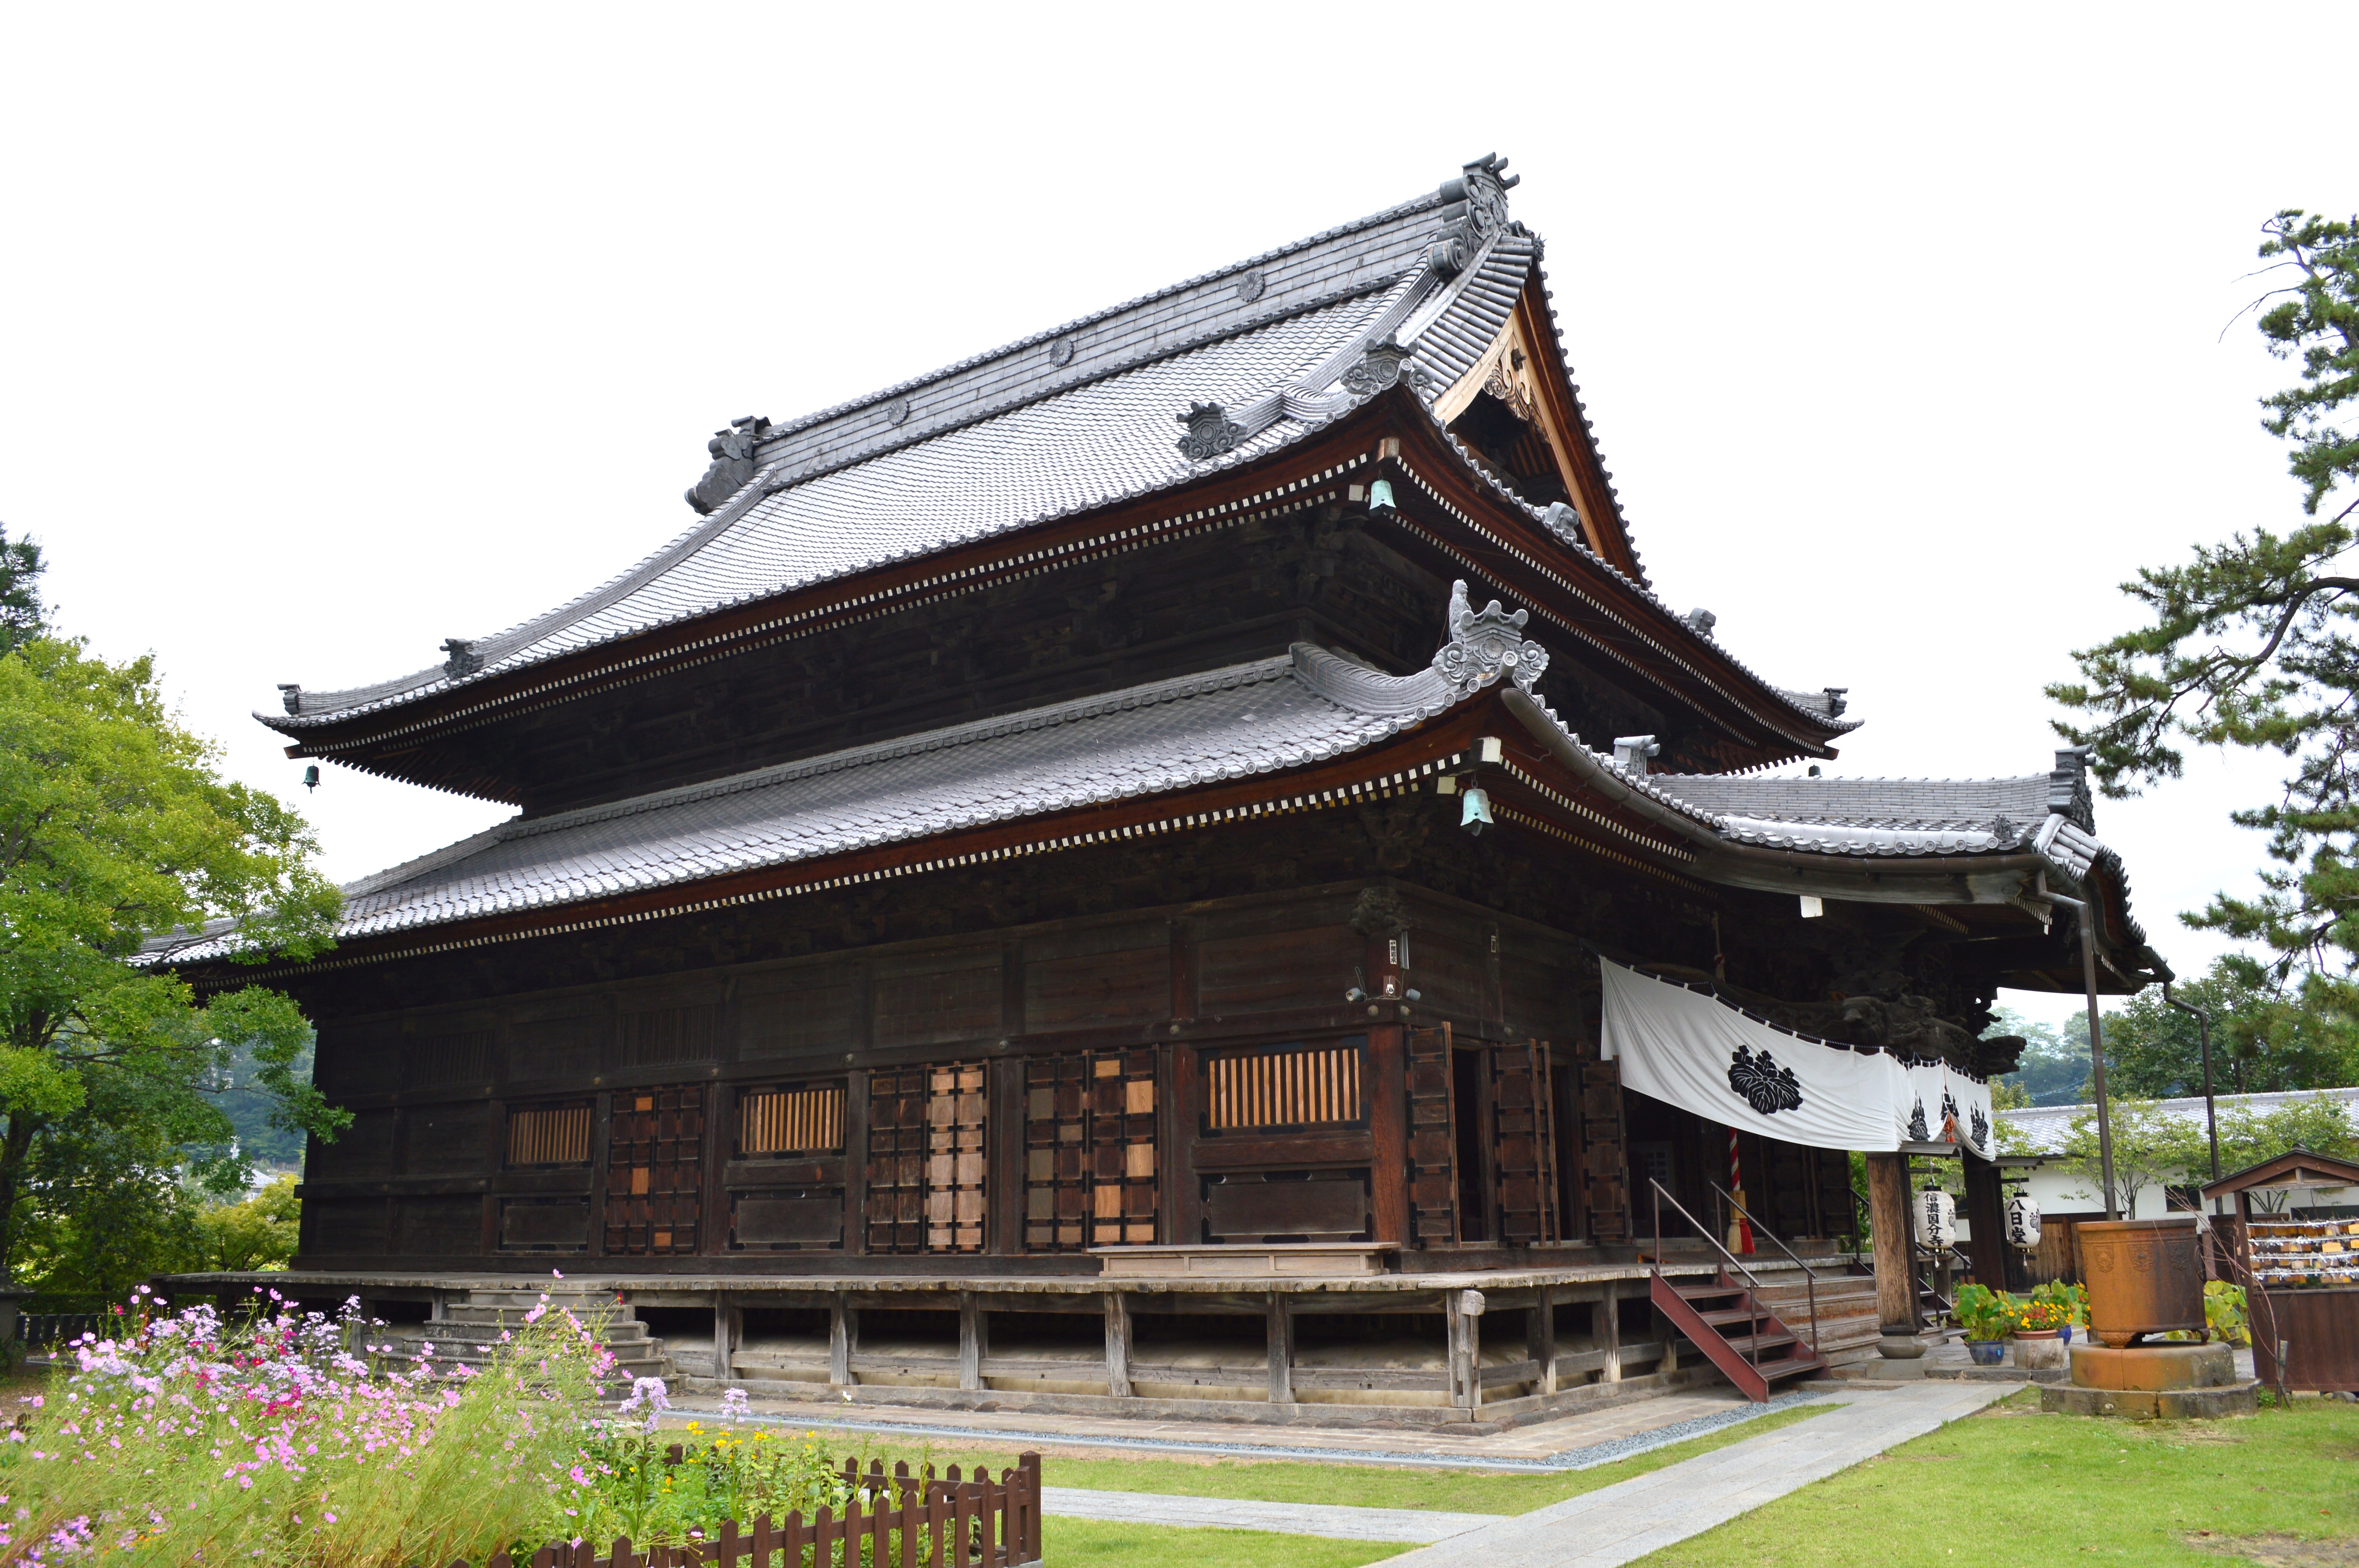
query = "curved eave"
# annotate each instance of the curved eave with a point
(2014, 878)
(1578, 594)
(1404, 763)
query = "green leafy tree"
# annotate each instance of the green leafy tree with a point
(258, 1233)
(2265, 1036)
(21, 615)
(2319, 1123)
(2250, 642)
(116, 828)
(2054, 1069)
(2151, 1148)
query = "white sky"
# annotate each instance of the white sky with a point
(329, 332)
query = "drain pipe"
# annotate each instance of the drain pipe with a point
(2085, 917)
(2203, 1033)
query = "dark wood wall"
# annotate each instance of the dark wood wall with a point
(1158, 1009)
(1189, 605)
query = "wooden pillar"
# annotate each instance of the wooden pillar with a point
(1178, 1158)
(1002, 1152)
(856, 1162)
(1281, 1350)
(1612, 1336)
(970, 1342)
(1986, 1212)
(1896, 1270)
(1539, 1336)
(1465, 1351)
(1388, 1127)
(843, 1327)
(724, 1335)
(1117, 1345)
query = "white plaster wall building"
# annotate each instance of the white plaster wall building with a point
(2061, 1190)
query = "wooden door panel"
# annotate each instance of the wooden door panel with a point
(655, 1172)
(1525, 1152)
(1604, 1154)
(1432, 1140)
(1090, 1175)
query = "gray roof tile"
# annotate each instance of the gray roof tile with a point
(1011, 439)
(1184, 733)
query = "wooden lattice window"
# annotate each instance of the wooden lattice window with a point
(549, 1135)
(1089, 1176)
(1122, 1149)
(801, 1119)
(926, 1159)
(1056, 1154)
(1282, 1088)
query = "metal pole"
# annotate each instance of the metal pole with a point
(2203, 1033)
(2086, 918)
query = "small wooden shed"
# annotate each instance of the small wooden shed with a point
(2301, 1273)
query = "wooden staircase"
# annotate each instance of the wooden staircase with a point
(1750, 1344)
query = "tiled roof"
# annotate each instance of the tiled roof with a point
(1064, 421)
(1183, 733)
(1922, 805)
(1014, 439)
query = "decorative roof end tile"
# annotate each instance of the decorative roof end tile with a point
(733, 464)
(1486, 643)
(1385, 364)
(1474, 209)
(1210, 432)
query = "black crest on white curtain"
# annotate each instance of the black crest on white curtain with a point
(1979, 1131)
(1766, 1087)
(1917, 1132)
(1949, 1114)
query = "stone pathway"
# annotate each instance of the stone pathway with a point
(1411, 1525)
(1625, 1521)
(1575, 1441)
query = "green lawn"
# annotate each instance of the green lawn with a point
(2015, 1487)
(1093, 1543)
(1357, 1486)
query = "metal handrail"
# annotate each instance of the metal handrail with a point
(1753, 1346)
(1809, 1277)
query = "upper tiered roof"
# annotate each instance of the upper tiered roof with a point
(1214, 373)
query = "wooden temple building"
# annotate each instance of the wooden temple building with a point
(1062, 885)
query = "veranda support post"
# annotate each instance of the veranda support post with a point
(1896, 1270)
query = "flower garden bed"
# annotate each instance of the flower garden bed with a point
(287, 1439)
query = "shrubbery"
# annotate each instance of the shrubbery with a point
(285, 1439)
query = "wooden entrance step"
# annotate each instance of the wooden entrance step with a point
(1765, 1353)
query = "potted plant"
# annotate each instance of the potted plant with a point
(1985, 1316)
(2071, 1300)
(2040, 1320)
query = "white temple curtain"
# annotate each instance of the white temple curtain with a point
(1701, 1055)
(1937, 1095)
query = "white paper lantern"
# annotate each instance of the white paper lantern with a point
(2022, 1222)
(1937, 1219)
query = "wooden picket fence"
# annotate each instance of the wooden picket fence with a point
(910, 1522)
